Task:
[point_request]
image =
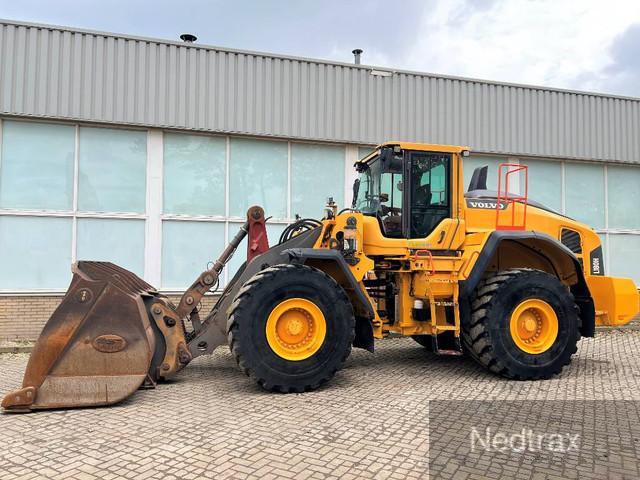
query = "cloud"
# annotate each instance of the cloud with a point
(622, 75)
(563, 44)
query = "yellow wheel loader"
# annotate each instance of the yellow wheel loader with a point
(491, 274)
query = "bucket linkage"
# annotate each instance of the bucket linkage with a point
(114, 333)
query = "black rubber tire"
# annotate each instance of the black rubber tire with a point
(247, 322)
(486, 335)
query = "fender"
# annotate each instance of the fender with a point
(580, 290)
(364, 326)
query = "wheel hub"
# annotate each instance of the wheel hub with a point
(296, 329)
(534, 326)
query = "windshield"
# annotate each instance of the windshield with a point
(379, 192)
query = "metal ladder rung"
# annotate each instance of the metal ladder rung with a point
(444, 328)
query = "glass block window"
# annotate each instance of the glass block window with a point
(584, 197)
(283, 177)
(90, 201)
(112, 170)
(623, 197)
(194, 174)
(624, 254)
(364, 151)
(545, 182)
(317, 172)
(120, 241)
(258, 172)
(187, 248)
(37, 166)
(35, 253)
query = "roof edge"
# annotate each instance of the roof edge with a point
(19, 23)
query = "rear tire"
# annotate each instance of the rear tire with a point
(251, 331)
(489, 335)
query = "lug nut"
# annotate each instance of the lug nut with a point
(157, 310)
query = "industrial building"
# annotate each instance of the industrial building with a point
(148, 152)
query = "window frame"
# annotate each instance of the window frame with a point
(409, 187)
(74, 214)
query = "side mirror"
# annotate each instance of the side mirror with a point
(356, 189)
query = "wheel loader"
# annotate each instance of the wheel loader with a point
(487, 273)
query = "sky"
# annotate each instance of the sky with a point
(576, 44)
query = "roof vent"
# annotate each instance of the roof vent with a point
(188, 38)
(356, 55)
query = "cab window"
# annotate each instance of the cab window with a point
(429, 196)
(380, 193)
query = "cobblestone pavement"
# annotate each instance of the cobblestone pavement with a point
(371, 422)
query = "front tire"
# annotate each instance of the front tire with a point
(291, 328)
(524, 324)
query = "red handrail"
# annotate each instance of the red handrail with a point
(508, 200)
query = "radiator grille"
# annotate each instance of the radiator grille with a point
(571, 240)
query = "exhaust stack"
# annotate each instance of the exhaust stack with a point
(356, 55)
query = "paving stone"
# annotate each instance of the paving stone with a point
(371, 421)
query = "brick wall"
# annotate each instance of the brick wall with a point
(23, 317)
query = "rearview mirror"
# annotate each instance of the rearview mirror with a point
(356, 189)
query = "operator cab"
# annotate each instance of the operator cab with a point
(408, 191)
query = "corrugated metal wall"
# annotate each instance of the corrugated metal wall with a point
(51, 72)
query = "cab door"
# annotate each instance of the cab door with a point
(428, 193)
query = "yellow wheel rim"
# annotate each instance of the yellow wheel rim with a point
(296, 329)
(534, 326)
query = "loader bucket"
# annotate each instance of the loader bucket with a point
(99, 345)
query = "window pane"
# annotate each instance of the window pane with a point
(390, 183)
(274, 230)
(112, 170)
(194, 174)
(364, 151)
(624, 196)
(471, 163)
(584, 186)
(624, 251)
(187, 247)
(37, 166)
(605, 250)
(114, 240)
(317, 172)
(258, 176)
(35, 253)
(545, 183)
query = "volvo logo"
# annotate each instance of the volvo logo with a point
(486, 204)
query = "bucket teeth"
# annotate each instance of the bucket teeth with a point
(109, 272)
(20, 400)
